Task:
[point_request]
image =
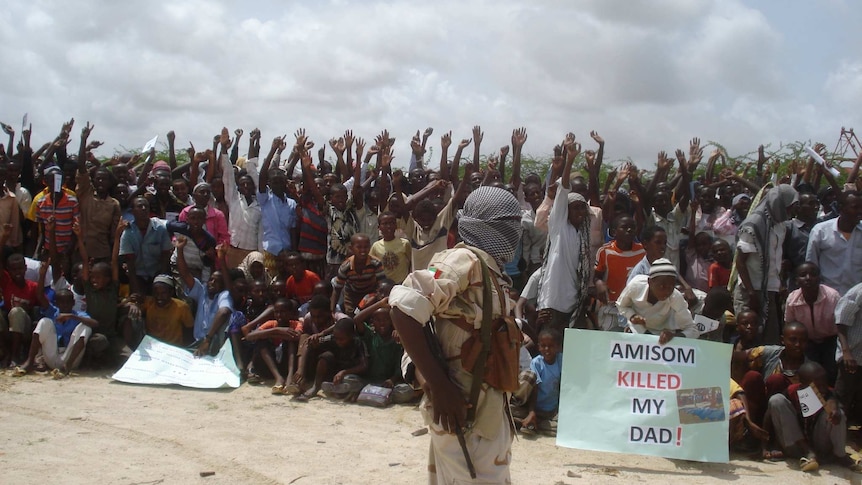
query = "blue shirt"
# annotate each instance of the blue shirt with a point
(64, 329)
(547, 382)
(147, 248)
(278, 218)
(206, 307)
(839, 258)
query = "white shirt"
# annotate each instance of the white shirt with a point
(748, 244)
(673, 225)
(244, 222)
(670, 314)
(559, 289)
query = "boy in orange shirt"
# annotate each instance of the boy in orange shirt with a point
(615, 260)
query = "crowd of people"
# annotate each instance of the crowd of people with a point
(316, 271)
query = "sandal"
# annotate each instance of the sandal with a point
(292, 389)
(847, 462)
(57, 375)
(772, 455)
(254, 379)
(18, 372)
(278, 390)
(807, 464)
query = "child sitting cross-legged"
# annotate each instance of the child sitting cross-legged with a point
(540, 386)
(820, 436)
(284, 330)
(61, 336)
(335, 361)
(384, 351)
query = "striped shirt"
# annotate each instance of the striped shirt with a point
(65, 212)
(616, 264)
(313, 228)
(362, 280)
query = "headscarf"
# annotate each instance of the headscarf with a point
(253, 257)
(202, 185)
(769, 211)
(491, 221)
(735, 216)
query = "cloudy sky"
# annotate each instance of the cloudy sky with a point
(646, 75)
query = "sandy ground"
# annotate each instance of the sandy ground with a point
(90, 429)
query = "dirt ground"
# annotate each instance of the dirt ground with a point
(91, 429)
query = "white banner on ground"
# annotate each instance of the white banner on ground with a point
(156, 362)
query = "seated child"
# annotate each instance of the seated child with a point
(767, 370)
(61, 336)
(742, 427)
(358, 275)
(652, 304)
(384, 352)
(339, 358)
(821, 436)
(166, 317)
(697, 261)
(542, 389)
(300, 283)
(719, 270)
(284, 330)
(102, 294)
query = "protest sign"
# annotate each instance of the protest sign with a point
(626, 393)
(155, 362)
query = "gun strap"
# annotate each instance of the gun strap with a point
(487, 316)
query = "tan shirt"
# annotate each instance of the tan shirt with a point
(99, 218)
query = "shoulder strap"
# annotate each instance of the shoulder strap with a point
(485, 333)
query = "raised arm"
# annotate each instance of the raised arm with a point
(172, 153)
(573, 149)
(263, 180)
(477, 140)
(254, 144)
(519, 137)
(182, 267)
(9, 131)
(82, 149)
(456, 162)
(445, 142)
(234, 151)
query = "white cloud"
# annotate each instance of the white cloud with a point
(647, 75)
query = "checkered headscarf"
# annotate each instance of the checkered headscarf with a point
(491, 221)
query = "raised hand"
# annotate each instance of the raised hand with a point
(680, 156)
(446, 140)
(348, 139)
(663, 162)
(761, 156)
(504, 151)
(360, 148)
(519, 137)
(428, 132)
(387, 158)
(478, 134)
(255, 134)
(172, 137)
(238, 133)
(67, 127)
(590, 159)
(180, 242)
(7, 128)
(416, 146)
(191, 151)
(224, 138)
(595, 136)
(94, 144)
(694, 148)
(464, 143)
